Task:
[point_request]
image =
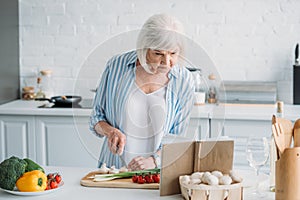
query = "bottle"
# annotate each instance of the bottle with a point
(47, 83)
(39, 92)
(212, 92)
(279, 111)
(273, 148)
(296, 80)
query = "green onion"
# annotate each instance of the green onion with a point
(103, 177)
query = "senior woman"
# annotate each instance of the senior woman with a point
(143, 95)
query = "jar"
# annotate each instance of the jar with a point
(46, 83)
(28, 93)
(200, 94)
(212, 92)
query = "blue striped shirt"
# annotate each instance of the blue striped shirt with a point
(112, 93)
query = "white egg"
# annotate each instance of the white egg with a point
(197, 175)
(205, 176)
(195, 181)
(225, 180)
(212, 180)
(218, 174)
(235, 177)
(185, 179)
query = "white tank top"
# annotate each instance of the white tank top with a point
(144, 122)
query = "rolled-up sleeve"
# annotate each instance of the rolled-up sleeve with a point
(99, 104)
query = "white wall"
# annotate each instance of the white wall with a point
(246, 40)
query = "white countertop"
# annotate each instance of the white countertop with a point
(227, 111)
(23, 107)
(73, 190)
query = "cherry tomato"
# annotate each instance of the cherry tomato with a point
(148, 178)
(134, 178)
(141, 179)
(58, 178)
(50, 176)
(48, 187)
(156, 178)
(53, 184)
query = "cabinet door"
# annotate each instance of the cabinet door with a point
(66, 141)
(17, 137)
(198, 128)
(239, 131)
(217, 127)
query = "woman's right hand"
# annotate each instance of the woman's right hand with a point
(116, 141)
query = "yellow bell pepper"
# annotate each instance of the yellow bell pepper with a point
(33, 181)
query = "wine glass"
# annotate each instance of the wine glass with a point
(257, 151)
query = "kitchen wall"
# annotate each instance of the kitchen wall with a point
(246, 40)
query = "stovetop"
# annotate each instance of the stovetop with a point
(84, 104)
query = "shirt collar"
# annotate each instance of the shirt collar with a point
(174, 71)
(132, 58)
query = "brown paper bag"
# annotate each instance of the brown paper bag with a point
(287, 179)
(177, 160)
(185, 158)
(212, 155)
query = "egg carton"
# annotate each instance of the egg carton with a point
(211, 192)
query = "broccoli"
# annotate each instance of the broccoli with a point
(10, 171)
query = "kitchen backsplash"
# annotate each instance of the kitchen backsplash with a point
(246, 40)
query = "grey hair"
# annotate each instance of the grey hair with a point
(161, 32)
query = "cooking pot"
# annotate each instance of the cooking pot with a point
(62, 101)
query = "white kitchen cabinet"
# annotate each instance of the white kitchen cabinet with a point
(17, 136)
(198, 128)
(239, 131)
(66, 141)
(49, 140)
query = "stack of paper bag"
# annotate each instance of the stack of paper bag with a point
(187, 157)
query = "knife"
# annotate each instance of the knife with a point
(122, 159)
(297, 55)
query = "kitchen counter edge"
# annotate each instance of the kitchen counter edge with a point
(212, 111)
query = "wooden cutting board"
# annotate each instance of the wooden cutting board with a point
(116, 183)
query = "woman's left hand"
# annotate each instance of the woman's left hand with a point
(141, 163)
